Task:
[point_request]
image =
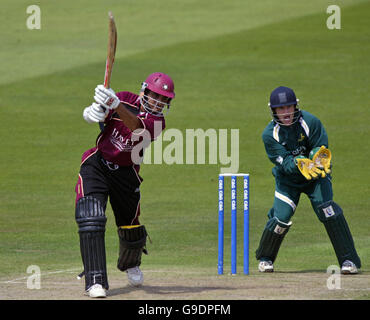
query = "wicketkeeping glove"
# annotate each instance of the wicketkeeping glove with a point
(308, 169)
(321, 156)
(106, 97)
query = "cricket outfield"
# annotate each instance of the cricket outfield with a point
(225, 59)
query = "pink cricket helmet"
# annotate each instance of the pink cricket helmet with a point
(160, 83)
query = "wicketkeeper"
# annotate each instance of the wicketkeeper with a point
(297, 144)
(109, 171)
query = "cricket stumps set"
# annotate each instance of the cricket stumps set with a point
(221, 202)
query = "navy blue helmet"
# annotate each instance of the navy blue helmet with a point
(282, 96)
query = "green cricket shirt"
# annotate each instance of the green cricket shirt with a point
(283, 143)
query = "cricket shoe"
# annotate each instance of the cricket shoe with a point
(348, 267)
(265, 266)
(135, 277)
(96, 291)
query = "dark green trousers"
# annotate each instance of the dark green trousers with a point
(287, 197)
(328, 212)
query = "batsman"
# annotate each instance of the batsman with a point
(108, 171)
(297, 144)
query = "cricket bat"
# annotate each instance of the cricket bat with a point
(112, 44)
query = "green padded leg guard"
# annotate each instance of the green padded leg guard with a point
(132, 241)
(272, 237)
(331, 215)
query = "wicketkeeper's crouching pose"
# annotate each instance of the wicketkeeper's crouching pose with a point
(297, 143)
(108, 170)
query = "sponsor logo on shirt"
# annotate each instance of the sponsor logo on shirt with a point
(120, 142)
(299, 150)
(301, 138)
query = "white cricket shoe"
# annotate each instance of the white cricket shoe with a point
(348, 267)
(265, 266)
(135, 276)
(96, 291)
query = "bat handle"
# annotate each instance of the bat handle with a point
(80, 276)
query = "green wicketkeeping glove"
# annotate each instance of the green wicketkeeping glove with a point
(308, 169)
(321, 156)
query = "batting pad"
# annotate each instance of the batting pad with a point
(331, 215)
(91, 222)
(271, 239)
(132, 241)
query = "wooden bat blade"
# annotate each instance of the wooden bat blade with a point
(112, 45)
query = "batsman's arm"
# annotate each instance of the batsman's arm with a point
(130, 120)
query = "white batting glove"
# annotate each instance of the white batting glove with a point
(106, 97)
(95, 113)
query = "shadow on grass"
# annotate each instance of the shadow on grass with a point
(165, 290)
(302, 271)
